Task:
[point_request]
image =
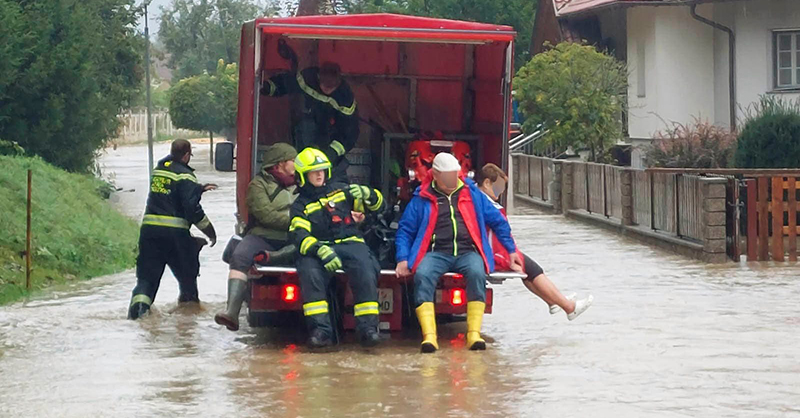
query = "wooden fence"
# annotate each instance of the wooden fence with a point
(676, 207)
(771, 208)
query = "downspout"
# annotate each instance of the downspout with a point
(731, 60)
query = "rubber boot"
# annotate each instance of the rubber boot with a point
(320, 331)
(237, 292)
(282, 257)
(367, 330)
(138, 310)
(474, 319)
(427, 321)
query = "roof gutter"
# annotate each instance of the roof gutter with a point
(731, 60)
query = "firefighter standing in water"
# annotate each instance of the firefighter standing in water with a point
(328, 239)
(329, 120)
(173, 206)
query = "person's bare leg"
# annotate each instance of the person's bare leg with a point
(544, 288)
(533, 289)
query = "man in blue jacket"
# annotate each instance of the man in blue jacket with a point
(441, 230)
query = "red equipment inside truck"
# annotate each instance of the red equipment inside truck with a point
(422, 86)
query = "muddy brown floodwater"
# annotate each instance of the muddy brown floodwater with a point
(666, 337)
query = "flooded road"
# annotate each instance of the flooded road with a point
(666, 337)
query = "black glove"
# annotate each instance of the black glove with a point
(210, 233)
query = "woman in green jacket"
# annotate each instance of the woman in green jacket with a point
(269, 196)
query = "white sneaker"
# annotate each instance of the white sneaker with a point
(580, 307)
(554, 309)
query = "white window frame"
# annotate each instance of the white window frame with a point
(794, 45)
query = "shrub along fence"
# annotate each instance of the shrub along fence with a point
(683, 212)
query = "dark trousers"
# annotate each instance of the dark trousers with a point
(362, 271)
(160, 247)
(242, 258)
(434, 265)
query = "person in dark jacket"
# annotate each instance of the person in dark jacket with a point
(328, 239)
(269, 196)
(443, 228)
(329, 116)
(173, 206)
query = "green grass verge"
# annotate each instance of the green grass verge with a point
(76, 233)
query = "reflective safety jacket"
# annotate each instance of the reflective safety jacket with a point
(323, 216)
(335, 116)
(174, 198)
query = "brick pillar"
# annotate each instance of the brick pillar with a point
(627, 196)
(567, 181)
(555, 186)
(714, 219)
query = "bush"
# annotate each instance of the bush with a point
(699, 145)
(576, 92)
(771, 135)
(206, 102)
(11, 148)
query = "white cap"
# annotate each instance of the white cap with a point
(445, 162)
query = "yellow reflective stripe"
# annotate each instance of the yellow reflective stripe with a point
(306, 244)
(315, 308)
(272, 87)
(141, 299)
(168, 221)
(339, 197)
(349, 239)
(312, 207)
(323, 98)
(338, 147)
(204, 223)
(378, 202)
(174, 176)
(298, 222)
(366, 308)
(358, 206)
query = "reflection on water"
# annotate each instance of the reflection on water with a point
(666, 337)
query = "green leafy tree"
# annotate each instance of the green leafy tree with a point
(770, 137)
(577, 93)
(516, 13)
(197, 33)
(206, 102)
(66, 69)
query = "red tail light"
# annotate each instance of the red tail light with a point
(457, 297)
(289, 293)
(458, 276)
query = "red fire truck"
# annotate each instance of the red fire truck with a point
(421, 84)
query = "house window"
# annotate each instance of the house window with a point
(787, 59)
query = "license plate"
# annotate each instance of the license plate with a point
(386, 301)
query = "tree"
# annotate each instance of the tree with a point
(770, 137)
(67, 68)
(206, 102)
(197, 33)
(577, 93)
(516, 13)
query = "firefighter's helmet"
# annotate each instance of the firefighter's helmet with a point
(308, 160)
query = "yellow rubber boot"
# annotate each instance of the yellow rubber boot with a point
(427, 321)
(474, 319)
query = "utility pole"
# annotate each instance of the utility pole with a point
(147, 80)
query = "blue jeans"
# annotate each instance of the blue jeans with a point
(434, 265)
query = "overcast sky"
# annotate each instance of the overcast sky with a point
(153, 12)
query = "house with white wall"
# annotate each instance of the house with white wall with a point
(687, 59)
